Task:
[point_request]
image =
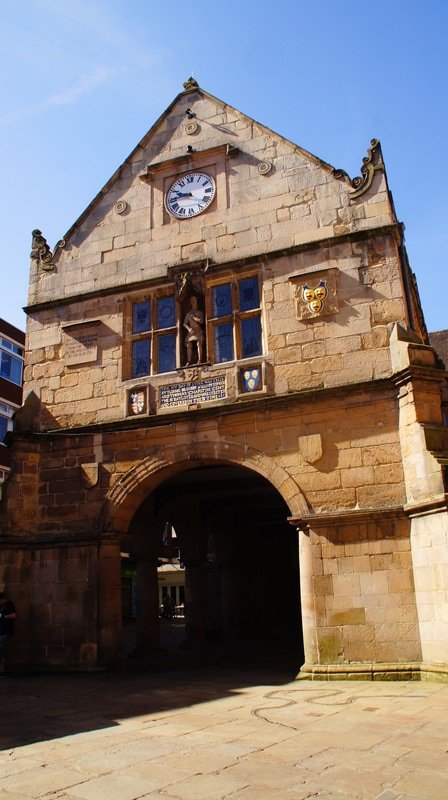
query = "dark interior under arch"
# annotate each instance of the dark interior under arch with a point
(222, 531)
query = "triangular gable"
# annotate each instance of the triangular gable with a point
(191, 87)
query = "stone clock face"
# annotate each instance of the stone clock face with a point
(190, 195)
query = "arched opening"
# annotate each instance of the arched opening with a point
(213, 572)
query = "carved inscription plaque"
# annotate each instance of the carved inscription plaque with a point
(193, 392)
(81, 346)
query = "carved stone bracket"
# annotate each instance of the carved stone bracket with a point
(40, 250)
(370, 164)
(231, 151)
(190, 373)
(147, 176)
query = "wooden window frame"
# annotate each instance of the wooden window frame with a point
(153, 334)
(235, 317)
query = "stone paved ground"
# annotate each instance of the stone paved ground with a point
(193, 735)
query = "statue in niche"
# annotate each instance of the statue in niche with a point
(194, 322)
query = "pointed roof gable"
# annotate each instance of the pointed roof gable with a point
(371, 163)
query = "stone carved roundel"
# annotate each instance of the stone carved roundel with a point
(191, 127)
(264, 167)
(120, 206)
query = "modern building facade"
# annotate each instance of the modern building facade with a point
(12, 353)
(230, 340)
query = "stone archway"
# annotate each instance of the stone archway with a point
(135, 484)
(144, 478)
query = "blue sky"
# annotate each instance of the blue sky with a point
(87, 78)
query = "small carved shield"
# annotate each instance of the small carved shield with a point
(252, 379)
(137, 402)
(310, 447)
(316, 297)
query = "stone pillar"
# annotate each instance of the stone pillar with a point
(148, 626)
(109, 605)
(232, 597)
(309, 622)
(194, 602)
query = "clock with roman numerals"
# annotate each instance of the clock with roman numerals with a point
(190, 195)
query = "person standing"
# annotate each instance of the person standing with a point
(7, 621)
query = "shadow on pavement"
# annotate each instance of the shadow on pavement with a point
(40, 707)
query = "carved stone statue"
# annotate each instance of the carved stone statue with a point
(193, 322)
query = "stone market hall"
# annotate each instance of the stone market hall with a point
(228, 344)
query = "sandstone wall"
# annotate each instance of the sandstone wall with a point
(349, 346)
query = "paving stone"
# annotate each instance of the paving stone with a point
(41, 781)
(208, 746)
(113, 787)
(204, 787)
(424, 784)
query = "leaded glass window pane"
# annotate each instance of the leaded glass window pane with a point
(250, 337)
(224, 342)
(166, 353)
(222, 300)
(248, 294)
(140, 358)
(166, 316)
(141, 317)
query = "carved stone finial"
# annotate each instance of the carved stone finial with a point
(190, 84)
(40, 250)
(370, 164)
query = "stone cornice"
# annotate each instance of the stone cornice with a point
(347, 517)
(394, 229)
(265, 403)
(186, 160)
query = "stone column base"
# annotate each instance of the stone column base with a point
(374, 672)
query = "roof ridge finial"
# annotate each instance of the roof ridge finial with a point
(191, 84)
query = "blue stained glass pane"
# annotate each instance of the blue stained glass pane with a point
(251, 337)
(222, 300)
(141, 317)
(166, 317)
(224, 342)
(248, 293)
(140, 358)
(166, 353)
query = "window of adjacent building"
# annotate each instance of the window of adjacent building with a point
(154, 335)
(6, 422)
(11, 361)
(234, 319)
